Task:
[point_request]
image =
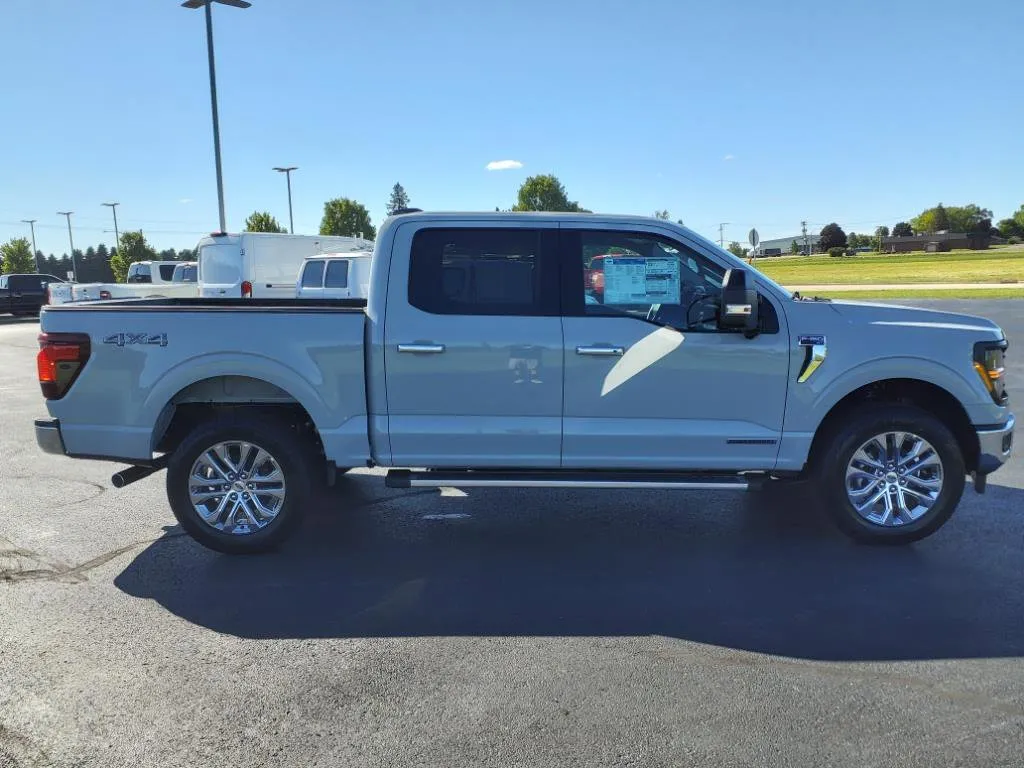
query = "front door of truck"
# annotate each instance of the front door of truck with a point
(473, 345)
(650, 382)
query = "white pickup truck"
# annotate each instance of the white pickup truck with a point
(146, 279)
(485, 357)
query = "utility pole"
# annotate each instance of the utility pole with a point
(74, 263)
(117, 235)
(35, 257)
(721, 234)
(205, 5)
(803, 225)
(288, 172)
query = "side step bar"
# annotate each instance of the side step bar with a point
(405, 478)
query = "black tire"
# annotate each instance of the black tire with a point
(860, 426)
(291, 450)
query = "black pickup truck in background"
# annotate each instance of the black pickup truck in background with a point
(24, 294)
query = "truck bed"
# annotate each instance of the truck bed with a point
(149, 357)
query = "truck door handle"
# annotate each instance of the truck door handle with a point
(428, 349)
(601, 351)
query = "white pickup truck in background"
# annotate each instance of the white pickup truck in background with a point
(146, 279)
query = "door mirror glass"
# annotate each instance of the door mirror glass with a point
(739, 303)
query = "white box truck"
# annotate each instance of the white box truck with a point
(263, 265)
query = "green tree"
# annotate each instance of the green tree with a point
(738, 250)
(794, 248)
(663, 215)
(16, 256)
(261, 221)
(853, 240)
(832, 236)
(133, 248)
(902, 229)
(880, 232)
(1010, 228)
(932, 220)
(544, 193)
(398, 200)
(343, 216)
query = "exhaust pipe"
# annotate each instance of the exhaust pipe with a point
(136, 473)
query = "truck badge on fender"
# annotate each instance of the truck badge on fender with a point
(816, 349)
(125, 339)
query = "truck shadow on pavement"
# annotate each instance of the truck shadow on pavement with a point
(742, 573)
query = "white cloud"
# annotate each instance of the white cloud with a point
(729, 157)
(185, 200)
(503, 165)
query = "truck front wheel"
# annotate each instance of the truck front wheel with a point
(240, 485)
(891, 474)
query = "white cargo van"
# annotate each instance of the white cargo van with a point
(335, 276)
(262, 265)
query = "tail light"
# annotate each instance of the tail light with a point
(988, 362)
(61, 358)
(246, 289)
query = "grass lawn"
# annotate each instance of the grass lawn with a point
(910, 293)
(992, 266)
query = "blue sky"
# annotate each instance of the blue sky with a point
(753, 113)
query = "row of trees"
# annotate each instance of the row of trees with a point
(96, 264)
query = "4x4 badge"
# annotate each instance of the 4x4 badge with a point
(126, 339)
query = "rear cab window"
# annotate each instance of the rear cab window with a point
(167, 272)
(469, 271)
(140, 273)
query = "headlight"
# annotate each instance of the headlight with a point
(988, 362)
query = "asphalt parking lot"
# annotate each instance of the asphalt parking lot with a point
(499, 628)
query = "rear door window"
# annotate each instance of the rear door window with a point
(483, 272)
(26, 283)
(337, 274)
(313, 274)
(221, 264)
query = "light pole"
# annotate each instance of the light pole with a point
(206, 5)
(117, 235)
(74, 264)
(288, 173)
(32, 224)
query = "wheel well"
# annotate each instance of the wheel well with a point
(929, 397)
(212, 398)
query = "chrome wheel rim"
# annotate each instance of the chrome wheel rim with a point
(894, 478)
(236, 487)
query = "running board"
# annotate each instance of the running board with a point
(405, 478)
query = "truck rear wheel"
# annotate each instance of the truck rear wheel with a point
(240, 485)
(891, 474)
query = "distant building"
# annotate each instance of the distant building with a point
(936, 242)
(783, 246)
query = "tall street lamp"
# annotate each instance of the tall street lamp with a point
(35, 257)
(74, 263)
(206, 6)
(117, 235)
(288, 174)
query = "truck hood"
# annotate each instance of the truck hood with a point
(881, 315)
(811, 314)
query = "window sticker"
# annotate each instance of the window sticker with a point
(638, 280)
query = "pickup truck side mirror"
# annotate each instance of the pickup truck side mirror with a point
(739, 303)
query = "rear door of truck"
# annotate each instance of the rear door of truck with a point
(473, 345)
